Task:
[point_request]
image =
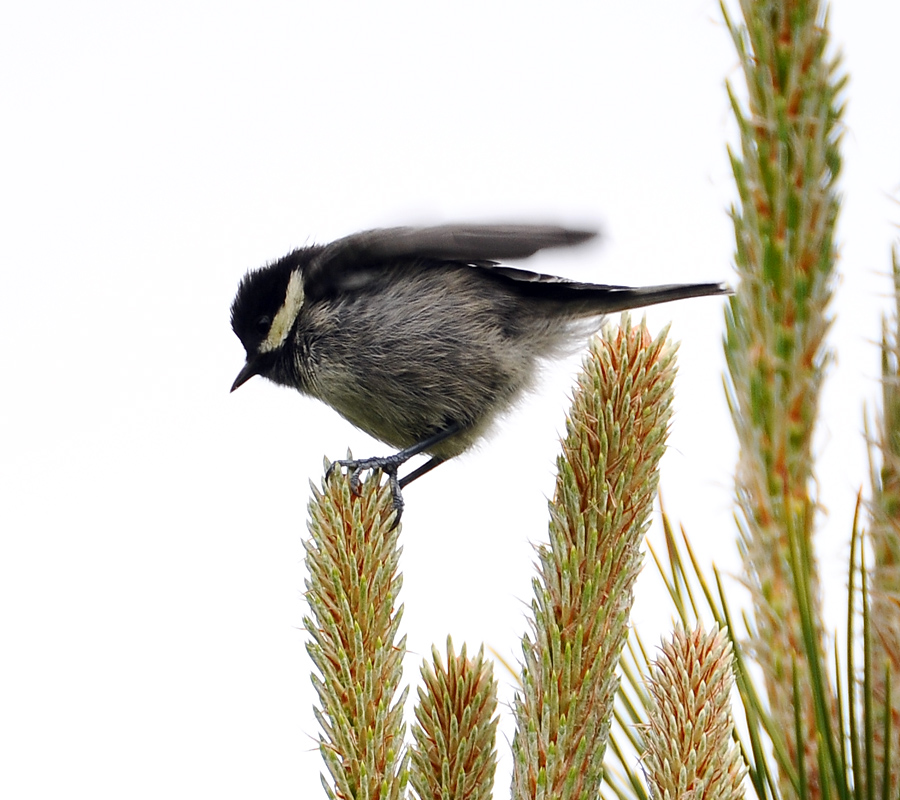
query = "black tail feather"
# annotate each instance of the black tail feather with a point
(609, 299)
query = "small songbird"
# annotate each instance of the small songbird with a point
(419, 336)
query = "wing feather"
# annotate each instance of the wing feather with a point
(480, 245)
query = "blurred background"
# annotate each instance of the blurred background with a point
(151, 524)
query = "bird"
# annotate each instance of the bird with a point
(422, 336)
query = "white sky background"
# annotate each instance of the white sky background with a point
(151, 565)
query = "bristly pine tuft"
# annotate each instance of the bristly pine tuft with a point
(352, 589)
(607, 481)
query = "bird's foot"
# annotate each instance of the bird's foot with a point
(387, 464)
(390, 464)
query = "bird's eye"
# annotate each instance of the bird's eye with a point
(263, 323)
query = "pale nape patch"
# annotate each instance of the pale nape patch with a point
(284, 319)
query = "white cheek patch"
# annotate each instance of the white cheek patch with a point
(287, 314)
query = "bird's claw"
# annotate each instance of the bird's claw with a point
(388, 466)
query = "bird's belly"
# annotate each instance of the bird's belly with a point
(403, 406)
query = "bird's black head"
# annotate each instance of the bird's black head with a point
(259, 296)
(263, 312)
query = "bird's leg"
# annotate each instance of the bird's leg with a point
(390, 464)
(418, 472)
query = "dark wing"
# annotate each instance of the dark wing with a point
(343, 263)
(598, 298)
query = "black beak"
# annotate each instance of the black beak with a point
(250, 369)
